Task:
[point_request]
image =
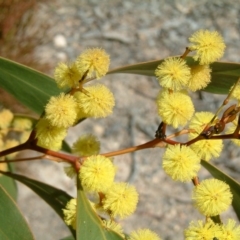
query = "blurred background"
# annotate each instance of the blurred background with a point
(42, 33)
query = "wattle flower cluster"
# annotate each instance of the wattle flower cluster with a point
(65, 110)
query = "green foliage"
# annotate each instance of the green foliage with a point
(13, 225)
(33, 89)
(28, 86)
(223, 75)
(88, 223)
(56, 198)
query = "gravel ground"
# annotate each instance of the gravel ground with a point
(131, 31)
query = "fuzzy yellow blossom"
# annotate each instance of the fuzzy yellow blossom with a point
(181, 163)
(205, 149)
(9, 143)
(6, 117)
(174, 108)
(86, 145)
(70, 213)
(121, 200)
(114, 226)
(24, 136)
(49, 136)
(230, 231)
(212, 197)
(67, 75)
(143, 234)
(22, 123)
(209, 46)
(200, 77)
(96, 101)
(173, 73)
(198, 230)
(3, 167)
(231, 130)
(97, 173)
(236, 93)
(95, 61)
(61, 111)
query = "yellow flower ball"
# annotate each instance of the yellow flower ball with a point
(96, 101)
(231, 130)
(200, 77)
(236, 92)
(114, 226)
(212, 197)
(67, 75)
(209, 46)
(22, 123)
(96, 61)
(230, 231)
(70, 213)
(198, 230)
(205, 149)
(6, 117)
(49, 136)
(121, 200)
(61, 111)
(97, 173)
(181, 163)
(143, 234)
(174, 108)
(173, 73)
(86, 145)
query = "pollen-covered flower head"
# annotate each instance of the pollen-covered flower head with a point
(143, 234)
(236, 92)
(67, 75)
(198, 230)
(200, 77)
(174, 108)
(22, 123)
(97, 173)
(121, 200)
(230, 231)
(95, 61)
(114, 226)
(209, 46)
(49, 136)
(6, 117)
(173, 73)
(181, 163)
(96, 101)
(86, 145)
(212, 197)
(61, 111)
(70, 213)
(205, 149)
(231, 130)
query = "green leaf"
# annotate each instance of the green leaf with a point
(28, 86)
(68, 238)
(235, 186)
(12, 224)
(66, 147)
(56, 198)
(9, 184)
(224, 75)
(88, 223)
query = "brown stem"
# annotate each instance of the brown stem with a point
(187, 51)
(195, 181)
(23, 159)
(151, 144)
